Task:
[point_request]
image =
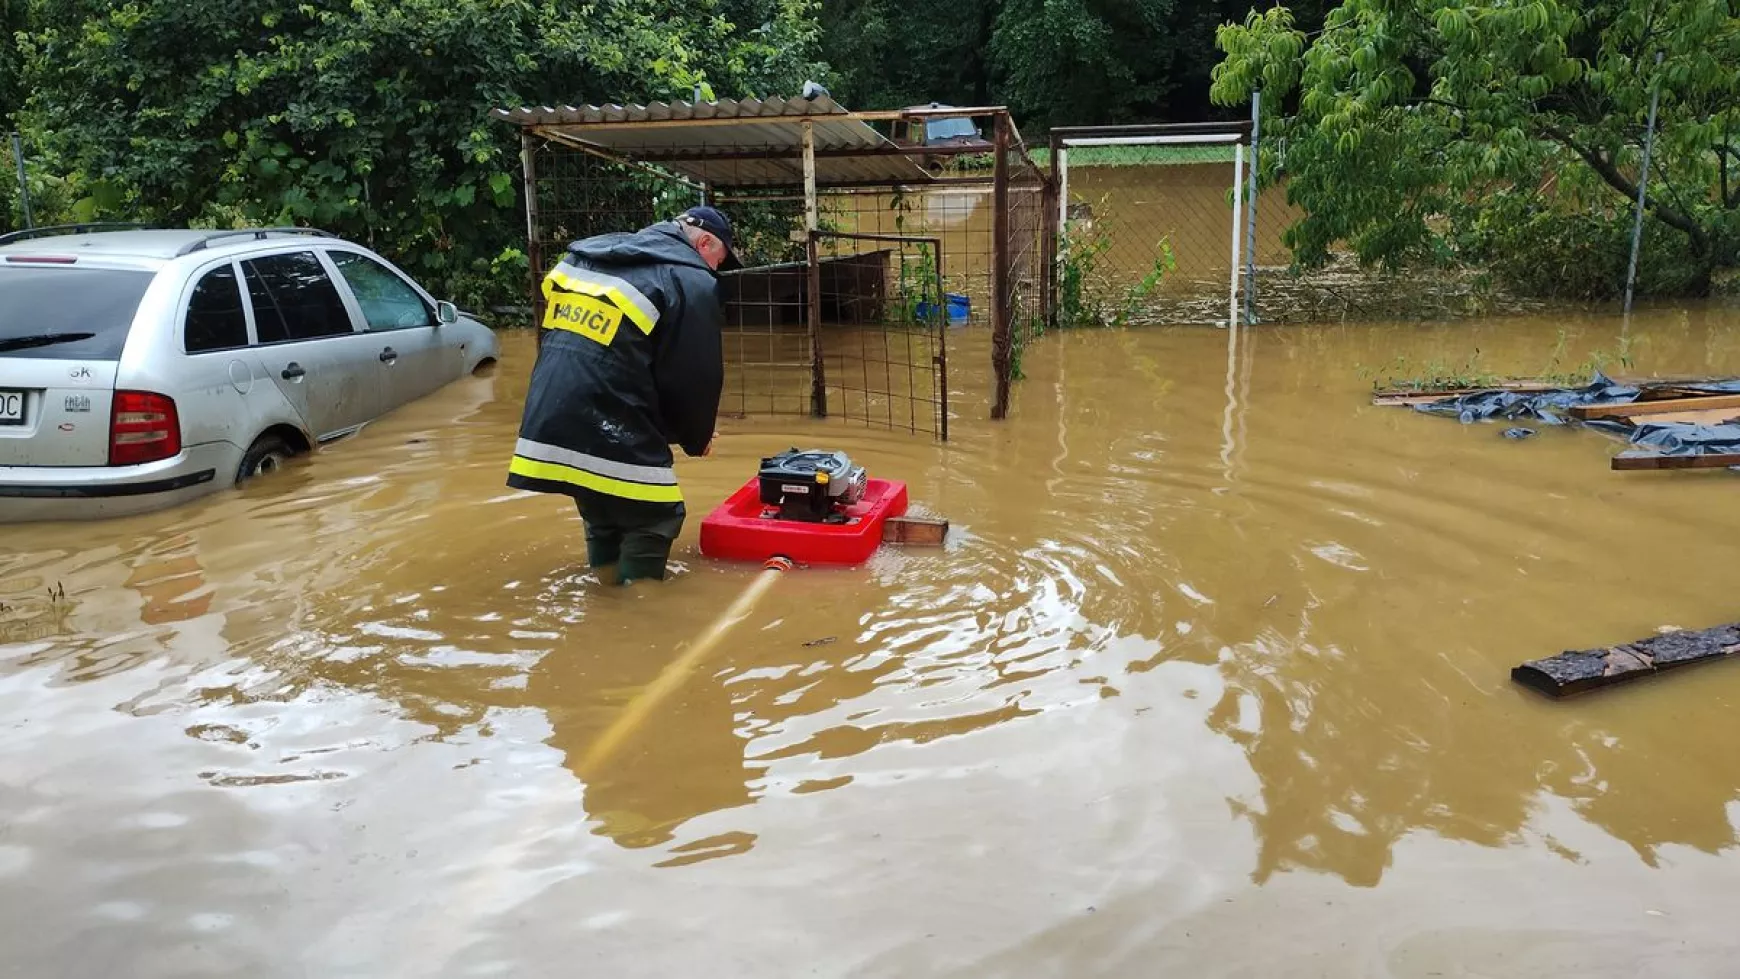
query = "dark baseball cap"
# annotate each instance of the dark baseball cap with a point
(710, 220)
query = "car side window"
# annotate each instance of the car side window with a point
(293, 298)
(215, 318)
(387, 301)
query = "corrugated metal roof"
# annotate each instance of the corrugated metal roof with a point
(707, 141)
(674, 111)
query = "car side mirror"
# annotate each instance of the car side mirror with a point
(446, 313)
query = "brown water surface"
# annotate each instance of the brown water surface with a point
(1210, 680)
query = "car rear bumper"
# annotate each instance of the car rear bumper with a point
(30, 493)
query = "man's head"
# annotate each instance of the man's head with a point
(710, 232)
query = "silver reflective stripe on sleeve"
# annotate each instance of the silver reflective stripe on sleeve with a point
(544, 452)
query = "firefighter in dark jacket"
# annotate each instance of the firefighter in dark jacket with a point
(629, 363)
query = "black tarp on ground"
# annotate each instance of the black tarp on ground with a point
(1680, 439)
(1547, 407)
(1553, 407)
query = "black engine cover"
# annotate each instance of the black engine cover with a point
(806, 485)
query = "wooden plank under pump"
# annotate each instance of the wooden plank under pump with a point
(915, 531)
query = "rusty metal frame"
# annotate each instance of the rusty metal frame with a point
(1006, 148)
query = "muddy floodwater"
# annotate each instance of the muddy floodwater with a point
(1211, 680)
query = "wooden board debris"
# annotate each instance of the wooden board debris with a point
(915, 531)
(1709, 416)
(1634, 409)
(1663, 388)
(1636, 461)
(1416, 396)
(1590, 669)
(1650, 391)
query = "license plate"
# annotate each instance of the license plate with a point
(11, 407)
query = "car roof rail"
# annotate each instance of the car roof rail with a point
(260, 234)
(71, 229)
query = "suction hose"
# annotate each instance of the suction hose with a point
(488, 885)
(673, 676)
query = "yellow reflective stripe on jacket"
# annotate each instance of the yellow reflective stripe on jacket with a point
(633, 303)
(558, 473)
(590, 317)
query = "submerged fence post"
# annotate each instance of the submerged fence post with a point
(813, 275)
(1053, 231)
(706, 188)
(1060, 166)
(1001, 340)
(534, 248)
(1251, 215)
(942, 343)
(1643, 184)
(1232, 311)
(23, 183)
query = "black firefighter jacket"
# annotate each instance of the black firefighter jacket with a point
(630, 362)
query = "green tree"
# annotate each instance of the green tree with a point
(1053, 62)
(1420, 121)
(11, 91)
(367, 117)
(11, 94)
(772, 47)
(888, 54)
(1083, 62)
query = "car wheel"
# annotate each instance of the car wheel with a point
(266, 455)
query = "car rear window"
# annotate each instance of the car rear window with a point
(61, 313)
(215, 319)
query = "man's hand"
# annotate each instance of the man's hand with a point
(709, 449)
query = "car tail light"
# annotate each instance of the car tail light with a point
(143, 428)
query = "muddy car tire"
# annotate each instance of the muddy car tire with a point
(266, 455)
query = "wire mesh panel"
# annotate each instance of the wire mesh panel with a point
(884, 316)
(956, 214)
(769, 352)
(577, 195)
(769, 356)
(1028, 230)
(1020, 282)
(878, 347)
(1149, 232)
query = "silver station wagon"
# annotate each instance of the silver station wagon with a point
(143, 368)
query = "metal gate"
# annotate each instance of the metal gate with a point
(870, 349)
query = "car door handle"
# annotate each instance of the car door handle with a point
(389, 355)
(293, 370)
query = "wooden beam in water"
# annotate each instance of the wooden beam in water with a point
(1635, 461)
(1709, 416)
(1656, 394)
(916, 531)
(1631, 409)
(1590, 669)
(1413, 396)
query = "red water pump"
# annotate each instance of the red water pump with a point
(812, 506)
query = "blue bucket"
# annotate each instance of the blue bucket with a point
(959, 309)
